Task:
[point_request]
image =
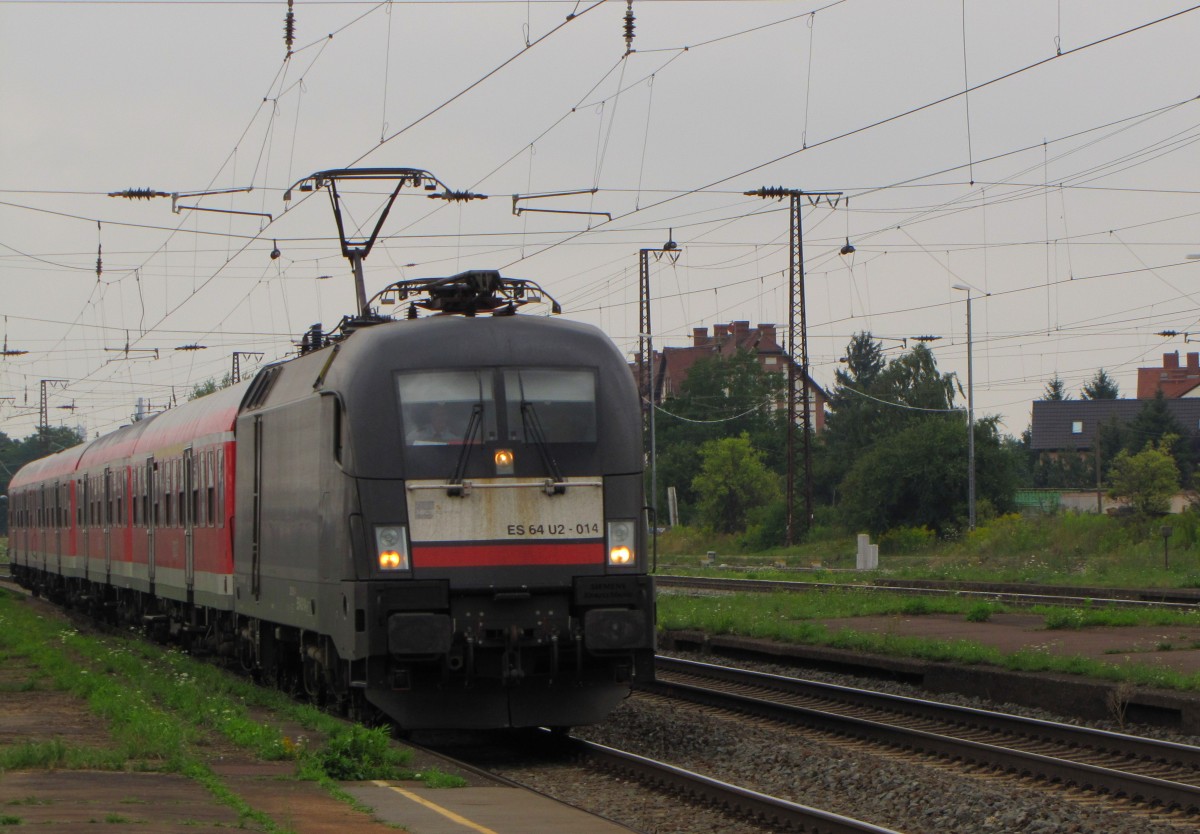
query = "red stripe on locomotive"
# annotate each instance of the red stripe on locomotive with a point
(460, 555)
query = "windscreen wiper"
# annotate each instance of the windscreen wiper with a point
(460, 470)
(533, 428)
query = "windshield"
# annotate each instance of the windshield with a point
(436, 407)
(559, 404)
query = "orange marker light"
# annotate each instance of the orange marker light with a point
(504, 461)
(389, 559)
(620, 555)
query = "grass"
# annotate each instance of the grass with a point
(160, 706)
(794, 618)
(1068, 549)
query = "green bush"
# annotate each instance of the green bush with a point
(907, 540)
(357, 753)
(980, 612)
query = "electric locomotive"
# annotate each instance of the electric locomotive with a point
(438, 518)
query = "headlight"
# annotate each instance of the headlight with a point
(391, 545)
(622, 543)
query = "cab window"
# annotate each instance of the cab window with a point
(441, 408)
(559, 403)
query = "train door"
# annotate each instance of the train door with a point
(83, 493)
(256, 522)
(43, 537)
(106, 511)
(59, 513)
(150, 516)
(187, 516)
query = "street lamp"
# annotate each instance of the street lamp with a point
(646, 360)
(970, 414)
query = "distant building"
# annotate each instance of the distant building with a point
(1072, 425)
(1061, 428)
(1175, 382)
(673, 364)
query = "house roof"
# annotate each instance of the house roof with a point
(1173, 380)
(1074, 424)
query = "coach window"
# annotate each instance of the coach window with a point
(559, 403)
(220, 487)
(210, 488)
(168, 517)
(436, 407)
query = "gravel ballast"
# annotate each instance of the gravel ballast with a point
(885, 788)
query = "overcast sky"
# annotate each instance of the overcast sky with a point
(1043, 153)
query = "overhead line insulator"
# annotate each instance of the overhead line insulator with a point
(629, 26)
(138, 193)
(289, 28)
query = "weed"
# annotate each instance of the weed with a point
(917, 607)
(1163, 646)
(437, 779)
(356, 754)
(1118, 702)
(980, 612)
(1064, 618)
(9, 819)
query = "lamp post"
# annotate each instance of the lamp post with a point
(646, 357)
(970, 414)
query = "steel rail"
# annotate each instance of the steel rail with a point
(1121, 744)
(772, 585)
(1152, 790)
(780, 814)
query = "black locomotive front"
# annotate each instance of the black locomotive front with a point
(498, 471)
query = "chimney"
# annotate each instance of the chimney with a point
(1170, 360)
(699, 336)
(1193, 360)
(740, 330)
(720, 331)
(767, 341)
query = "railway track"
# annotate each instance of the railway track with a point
(1138, 774)
(774, 813)
(634, 790)
(1169, 599)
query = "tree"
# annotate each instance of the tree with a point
(1056, 390)
(1155, 424)
(873, 402)
(723, 396)
(856, 418)
(732, 481)
(209, 386)
(1147, 480)
(918, 477)
(1101, 387)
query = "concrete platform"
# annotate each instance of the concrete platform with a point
(483, 810)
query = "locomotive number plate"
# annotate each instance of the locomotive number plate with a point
(505, 509)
